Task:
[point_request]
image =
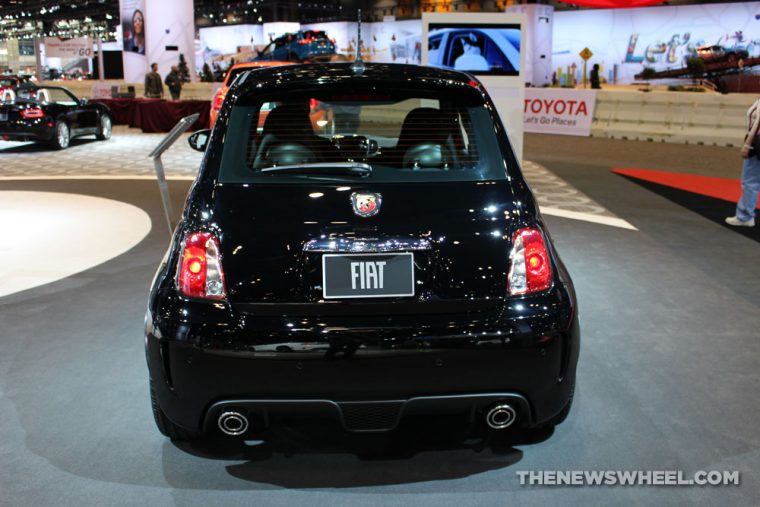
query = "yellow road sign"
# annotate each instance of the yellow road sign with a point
(586, 53)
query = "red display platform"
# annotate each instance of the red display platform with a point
(156, 115)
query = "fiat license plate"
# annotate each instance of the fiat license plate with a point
(367, 275)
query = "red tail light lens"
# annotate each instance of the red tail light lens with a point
(530, 269)
(32, 112)
(200, 270)
(218, 101)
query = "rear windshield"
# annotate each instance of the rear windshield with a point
(402, 135)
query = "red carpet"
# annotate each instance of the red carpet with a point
(713, 198)
(720, 188)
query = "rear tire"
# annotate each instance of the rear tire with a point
(165, 426)
(104, 128)
(61, 135)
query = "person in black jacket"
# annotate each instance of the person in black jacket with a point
(153, 87)
(595, 77)
(174, 82)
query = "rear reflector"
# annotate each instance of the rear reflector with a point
(529, 267)
(32, 112)
(200, 270)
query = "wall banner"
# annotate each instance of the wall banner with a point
(133, 25)
(559, 111)
(662, 38)
(68, 48)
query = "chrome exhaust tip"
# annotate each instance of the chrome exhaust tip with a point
(500, 416)
(233, 423)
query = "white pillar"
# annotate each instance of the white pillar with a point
(170, 25)
(101, 71)
(166, 24)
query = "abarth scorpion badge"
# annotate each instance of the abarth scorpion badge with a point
(366, 205)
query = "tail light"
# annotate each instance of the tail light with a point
(32, 112)
(530, 270)
(218, 101)
(200, 270)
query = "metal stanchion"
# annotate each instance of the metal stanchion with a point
(179, 129)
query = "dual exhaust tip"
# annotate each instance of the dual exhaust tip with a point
(498, 417)
(233, 423)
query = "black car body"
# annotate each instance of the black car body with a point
(268, 303)
(52, 114)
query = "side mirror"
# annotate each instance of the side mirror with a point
(83, 101)
(199, 140)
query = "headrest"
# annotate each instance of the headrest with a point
(288, 120)
(425, 125)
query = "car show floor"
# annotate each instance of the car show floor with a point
(668, 373)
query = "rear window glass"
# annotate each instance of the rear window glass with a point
(402, 135)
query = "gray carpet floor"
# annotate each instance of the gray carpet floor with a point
(668, 374)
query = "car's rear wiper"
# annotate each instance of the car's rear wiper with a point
(324, 168)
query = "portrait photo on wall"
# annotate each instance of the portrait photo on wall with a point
(476, 48)
(133, 25)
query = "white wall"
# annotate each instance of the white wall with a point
(226, 39)
(538, 48)
(273, 30)
(662, 35)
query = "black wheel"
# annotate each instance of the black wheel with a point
(104, 128)
(62, 135)
(165, 426)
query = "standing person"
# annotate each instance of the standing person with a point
(595, 77)
(745, 208)
(174, 82)
(154, 89)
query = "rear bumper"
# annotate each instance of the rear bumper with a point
(198, 372)
(367, 416)
(24, 132)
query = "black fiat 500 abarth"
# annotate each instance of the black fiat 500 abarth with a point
(379, 261)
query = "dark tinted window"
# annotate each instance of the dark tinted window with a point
(404, 135)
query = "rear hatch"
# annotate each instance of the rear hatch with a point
(286, 244)
(355, 197)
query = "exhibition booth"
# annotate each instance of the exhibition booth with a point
(519, 268)
(558, 50)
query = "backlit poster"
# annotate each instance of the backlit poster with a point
(133, 25)
(661, 38)
(476, 48)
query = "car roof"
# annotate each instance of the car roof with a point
(325, 74)
(259, 63)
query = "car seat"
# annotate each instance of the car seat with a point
(287, 138)
(425, 141)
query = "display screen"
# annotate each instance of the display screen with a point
(476, 48)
